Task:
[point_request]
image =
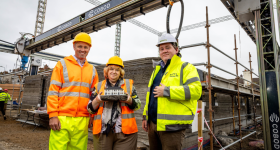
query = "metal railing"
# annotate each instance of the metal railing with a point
(217, 49)
(200, 64)
(238, 140)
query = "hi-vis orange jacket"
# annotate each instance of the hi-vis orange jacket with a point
(70, 88)
(129, 125)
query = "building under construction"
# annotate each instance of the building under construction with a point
(235, 106)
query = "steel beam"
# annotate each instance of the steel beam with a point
(268, 61)
(128, 9)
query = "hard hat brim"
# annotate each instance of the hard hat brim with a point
(81, 41)
(115, 64)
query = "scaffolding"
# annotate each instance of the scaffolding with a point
(216, 89)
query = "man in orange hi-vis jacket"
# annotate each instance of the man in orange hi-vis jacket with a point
(72, 81)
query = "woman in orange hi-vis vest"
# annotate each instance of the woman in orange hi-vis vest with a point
(114, 124)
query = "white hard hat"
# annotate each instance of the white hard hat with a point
(1, 89)
(166, 38)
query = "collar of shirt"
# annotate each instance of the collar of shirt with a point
(79, 62)
(163, 65)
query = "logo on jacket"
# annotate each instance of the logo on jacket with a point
(173, 75)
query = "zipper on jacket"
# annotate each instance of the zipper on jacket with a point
(80, 89)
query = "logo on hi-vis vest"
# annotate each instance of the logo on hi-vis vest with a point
(173, 75)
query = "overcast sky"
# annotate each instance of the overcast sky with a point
(20, 16)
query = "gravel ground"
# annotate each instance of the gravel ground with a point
(15, 137)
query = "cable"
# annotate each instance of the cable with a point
(181, 20)
(21, 39)
(7, 42)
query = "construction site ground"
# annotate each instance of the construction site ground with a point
(15, 137)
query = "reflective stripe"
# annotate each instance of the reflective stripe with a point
(99, 86)
(54, 82)
(97, 117)
(149, 89)
(55, 93)
(75, 94)
(191, 80)
(65, 72)
(127, 86)
(127, 116)
(74, 83)
(187, 92)
(175, 117)
(166, 91)
(181, 74)
(85, 95)
(93, 75)
(177, 127)
(186, 87)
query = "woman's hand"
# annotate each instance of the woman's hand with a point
(129, 100)
(90, 122)
(96, 102)
(98, 98)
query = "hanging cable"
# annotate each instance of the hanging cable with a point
(168, 18)
(20, 40)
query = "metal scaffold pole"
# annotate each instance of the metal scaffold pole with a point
(209, 80)
(200, 124)
(252, 87)
(233, 118)
(238, 98)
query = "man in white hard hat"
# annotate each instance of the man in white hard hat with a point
(171, 100)
(3, 97)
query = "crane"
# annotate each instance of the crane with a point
(40, 19)
(256, 17)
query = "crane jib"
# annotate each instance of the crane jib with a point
(58, 28)
(103, 7)
(91, 13)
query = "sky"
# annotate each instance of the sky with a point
(20, 16)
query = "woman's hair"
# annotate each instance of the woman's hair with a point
(106, 70)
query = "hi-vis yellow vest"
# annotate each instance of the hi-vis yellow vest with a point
(177, 107)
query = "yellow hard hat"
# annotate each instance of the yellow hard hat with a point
(82, 37)
(115, 60)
